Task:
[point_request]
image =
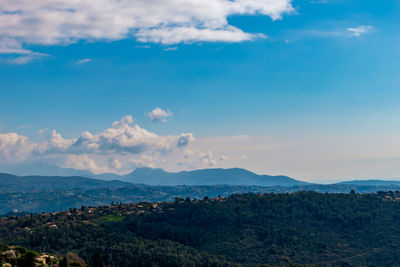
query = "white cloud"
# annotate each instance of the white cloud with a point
(21, 60)
(83, 162)
(19, 54)
(319, 1)
(115, 163)
(358, 31)
(128, 119)
(142, 161)
(205, 155)
(83, 61)
(301, 156)
(11, 46)
(170, 48)
(207, 159)
(331, 30)
(223, 158)
(55, 143)
(126, 137)
(52, 22)
(159, 114)
(188, 153)
(116, 144)
(15, 147)
(143, 46)
(192, 34)
(191, 159)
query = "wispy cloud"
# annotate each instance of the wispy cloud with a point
(143, 46)
(16, 53)
(83, 61)
(171, 48)
(10, 46)
(319, 2)
(358, 31)
(333, 30)
(25, 59)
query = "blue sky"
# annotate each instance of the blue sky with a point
(311, 91)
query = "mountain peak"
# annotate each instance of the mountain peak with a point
(232, 176)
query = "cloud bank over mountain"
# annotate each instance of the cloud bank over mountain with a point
(123, 141)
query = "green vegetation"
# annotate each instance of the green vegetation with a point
(35, 194)
(112, 218)
(22, 257)
(57, 200)
(305, 227)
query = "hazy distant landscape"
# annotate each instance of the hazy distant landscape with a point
(206, 217)
(56, 193)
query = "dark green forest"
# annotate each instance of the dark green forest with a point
(243, 229)
(51, 200)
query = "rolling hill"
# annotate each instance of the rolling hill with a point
(371, 182)
(241, 230)
(10, 183)
(234, 176)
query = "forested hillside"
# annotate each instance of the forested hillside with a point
(50, 200)
(304, 227)
(13, 183)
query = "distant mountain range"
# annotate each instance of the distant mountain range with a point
(55, 178)
(233, 176)
(148, 176)
(37, 193)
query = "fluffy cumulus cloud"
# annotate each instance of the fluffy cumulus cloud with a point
(84, 162)
(123, 137)
(208, 159)
(142, 161)
(15, 147)
(55, 143)
(115, 163)
(124, 144)
(159, 114)
(52, 22)
(193, 159)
